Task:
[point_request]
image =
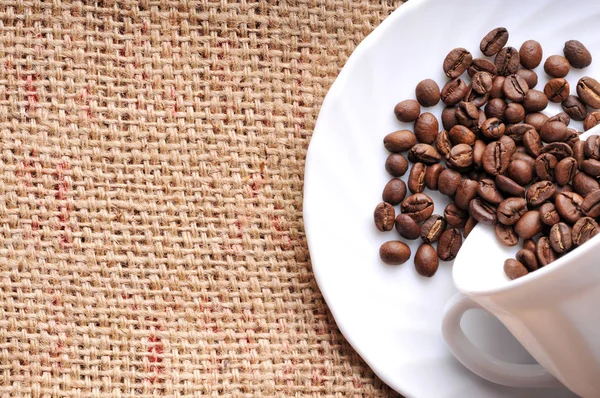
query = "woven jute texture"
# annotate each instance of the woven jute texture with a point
(151, 174)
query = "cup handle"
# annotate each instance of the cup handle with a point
(481, 363)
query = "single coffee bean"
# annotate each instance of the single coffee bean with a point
(540, 192)
(456, 62)
(427, 92)
(455, 216)
(482, 65)
(591, 120)
(528, 259)
(574, 108)
(536, 119)
(553, 132)
(467, 114)
(548, 214)
(432, 175)
(493, 41)
(568, 205)
(560, 238)
(591, 149)
(511, 210)
(474, 97)
(557, 90)
(497, 85)
(384, 216)
(466, 191)
(460, 157)
(591, 167)
(591, 204)
(394, 191)
(507, 61)
(416, 179)
(520, 171)
(399, 141)
(460, 134)
(394, 252)
(515, 88)
(557, 66)
(442, 143)
(529, 225)
(559, 150)
(517, 131)
(454, 91)
(478, 150)
(506, 235)
(449, 117)
(482, 82)
(449, 244)
(487, 190)
(578, 55)
(579, 153)
(496, 158)
(530, 77)
(521, 154)
(529, 244)
(495, 108)
(448, 182)
(426, 260)
(544, 252)
(530, 54)
(482, 211)
(588, 90)
(572, 137)
(514, 113)
(407, 227)
(514, 269)
(418, 206)
(584, 229)
(562, 117)
(535, 101)
(469, 225)
(432, 228)
(407, 111)
(509, 187)
(532, 143)
(584, 184)
(424, 153)
(396, 164)
(565, 170)
(426, 128)
(493, 128)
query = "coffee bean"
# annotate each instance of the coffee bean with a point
(384, 216)
(591, 149)
(579, 152)
(432, 228)
(536, 119)
(540, 192)
(507, 61)
(565, 170)
(456, 62)
(407, 111)
(574, 108)
(560, 238)
(467, 114)
(493, 128)
(530, 54)
(426, 128)
(548, 214)
(553, 132)
(591, 204)
(562, 117)
(517, 131)
(394, 191)
(482, 65)
(559, 150)
(416, 179)
(529, 244)
(514, 113)
(528, 259)
(514, 269)
(426, 260)
(532, 143)
(469, 225)
(535, 101)
(557, 90)
(427, 92)
(584, 229)
(568, 205)
(449, 117)
(591, 167)
(530, 77)
(482, 211)
(474, 97)
(453, 92)
(515, 88)
(418, 206)
(544, 252)
(497, 84)
(584, 184)
(511, 210)
(557, 66)
(520, 172)
(449, 244)
(506, 235)
(394, 252)
(442, 143)
(432, 175)
(460, 157)
(466, 191)
(509, 187)
(448, 182)
(577, 54)
(455, 216)
(487, 190)
(478, 150)
(459, 134)
(493, 41)
(495, 108)
(529, 225)
(396, 164)
(588, 90)
(563, 188)
(521, 154)
(495, 158)
(482, 82)
(407, 227)
(399, 141)
(424, 153)
(591, 120)
(572, 136)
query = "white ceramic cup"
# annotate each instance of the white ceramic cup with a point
(553, 312)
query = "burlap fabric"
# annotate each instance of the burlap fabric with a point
(151, 175)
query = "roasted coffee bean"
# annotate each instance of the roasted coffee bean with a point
(442, 143)
(565, 170)
(426, 128)
(482, 82)
(591, 149)
(456, 62)
(557, 90)
(530, 54)
(496, 158)
(487, 191)
(568, 205)
(530, 77)
(394, 252)
(514, 113)
(448, 182)
(584, 184)
(548, 214)
(517, 131)
(432, 175)
(544, 252)
(532, 143)
(493, 128)
(455, 216)
(520, 171)
(591, 204)
(521, 154)
(529, 244)
(466, 191)
(559, 150)
(454, 91)
(507, 61)
(535, 101)
(574, 108)
(495, 108)
(384, 216)
(560, 238)
(578, 56)
(591, 120)
(572, 137)
(553, 132)
(506, 235)
(482, 211)
(460, 134)
(557, 66)
(427, 92)
(407, 111)
(497, 84)
(460, 157)
(424, 153)
(469, 225)
(394, 191)
(579, 153)
(418, 206)
(584, 229)
(529, 225)
(467, 114)
(482, 65)
(514, 269)
(540, 192)
(591, 167)
(509, 187)
(474, 97)
(478, 150)
(493, 41)
(396, 164)
(528, 259)
(407, 227)
(515, 88)
(562, 117)
(426, 260)
(511, 210)
(416, 178)
(449, 244)
(588, 90)
(399, 141)
(449, 117)
(536, 119)
(432, 228)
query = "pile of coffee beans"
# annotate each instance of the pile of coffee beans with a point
(501, 160)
